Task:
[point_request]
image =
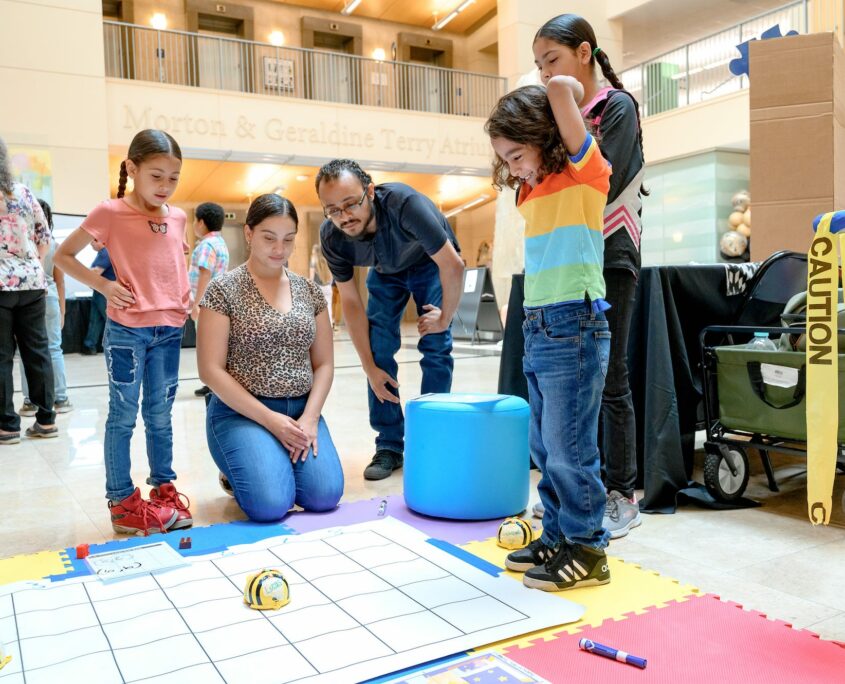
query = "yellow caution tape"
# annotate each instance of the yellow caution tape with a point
(822, 369)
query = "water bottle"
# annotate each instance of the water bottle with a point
(761, 341)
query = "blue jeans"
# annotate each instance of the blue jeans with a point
(387, 301)
(265, 482)
(96, 321)
(136, 356)
(53, 319)
(567, 348)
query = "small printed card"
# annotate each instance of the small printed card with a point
(481, 668)
(131, 562)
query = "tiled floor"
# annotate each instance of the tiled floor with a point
(770, 558)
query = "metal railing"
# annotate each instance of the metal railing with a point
(699, 71)
(190, 59)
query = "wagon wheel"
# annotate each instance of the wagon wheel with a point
(726, 474)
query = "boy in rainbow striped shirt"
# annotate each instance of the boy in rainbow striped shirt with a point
(545, 152)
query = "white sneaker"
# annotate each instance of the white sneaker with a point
(225, 485)
(621, 515)
(538, 510)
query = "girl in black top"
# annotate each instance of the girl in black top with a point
(566, 45)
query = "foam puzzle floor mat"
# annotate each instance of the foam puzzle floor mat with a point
(631, 590)
(453, 531)
(684, 636)
(702, 639)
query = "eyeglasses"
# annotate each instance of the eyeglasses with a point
(346, 208)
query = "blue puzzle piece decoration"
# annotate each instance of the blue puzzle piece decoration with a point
(739, 67)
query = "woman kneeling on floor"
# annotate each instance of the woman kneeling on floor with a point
(264, 347)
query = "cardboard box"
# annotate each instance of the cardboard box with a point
(797, 102)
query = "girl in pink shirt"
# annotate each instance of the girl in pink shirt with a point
(147, 307)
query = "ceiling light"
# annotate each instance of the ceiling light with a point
(350, 6)
(454, 13)
(466, 205)
(277, 38)
(159, 21)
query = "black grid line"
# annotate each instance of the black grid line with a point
(190, 631)
(524, 616)
(18, 635)
(275, 626)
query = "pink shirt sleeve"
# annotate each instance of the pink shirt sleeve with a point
(98, 222)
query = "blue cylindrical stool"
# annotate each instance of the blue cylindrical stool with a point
(466, 455)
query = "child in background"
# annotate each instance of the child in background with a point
(210, 258)
(543, 150)
(320, 273)
(97, 315)
(54, 320)
(147, 307)
(566, 46)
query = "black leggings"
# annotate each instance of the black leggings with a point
(617, 426)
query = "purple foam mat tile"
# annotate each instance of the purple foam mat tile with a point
(453, 531)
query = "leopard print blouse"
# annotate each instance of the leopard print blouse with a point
(268, 350)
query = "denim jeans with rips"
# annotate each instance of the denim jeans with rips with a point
(137, 357)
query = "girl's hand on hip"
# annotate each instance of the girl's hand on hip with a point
(117, 295)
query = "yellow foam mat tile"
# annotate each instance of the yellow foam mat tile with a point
(34, 566)
(632, 590)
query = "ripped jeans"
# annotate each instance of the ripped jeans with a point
(136, 356)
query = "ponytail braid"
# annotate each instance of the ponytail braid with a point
(610, 75)
(121, 184)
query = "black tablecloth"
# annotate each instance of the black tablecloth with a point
(673, 304)
(76, 326)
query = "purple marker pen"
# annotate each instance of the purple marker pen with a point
(612, 653)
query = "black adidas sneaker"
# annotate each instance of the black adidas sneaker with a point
(571, 566)
(536, 553)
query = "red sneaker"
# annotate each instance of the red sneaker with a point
(166, 495)
(134, 515)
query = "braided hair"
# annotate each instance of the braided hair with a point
(571, 30)
(147, 143)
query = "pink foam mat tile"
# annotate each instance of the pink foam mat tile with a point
(701, 639)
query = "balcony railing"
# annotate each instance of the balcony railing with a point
(190, 59)
(699, 71)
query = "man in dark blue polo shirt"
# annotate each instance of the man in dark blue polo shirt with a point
(411, 250)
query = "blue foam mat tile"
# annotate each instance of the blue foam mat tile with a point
(211, 539)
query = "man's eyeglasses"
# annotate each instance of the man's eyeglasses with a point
(346, 208)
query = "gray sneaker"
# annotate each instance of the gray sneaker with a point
(62, 406)
(539, 510)
(620, 515)
(28, 409)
